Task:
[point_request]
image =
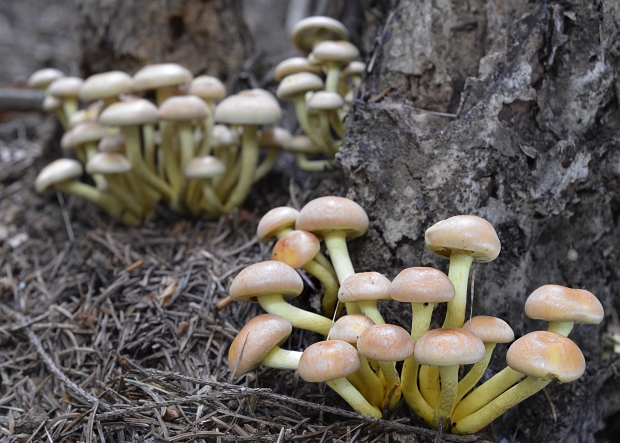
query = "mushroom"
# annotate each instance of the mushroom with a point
(42, 78)
(274, 140)
(387, 344)
(258, 343)
(543, 356)
(365, 289)
(270, 283)
(106, 86)
(310, 31)
(463, 239)
(491, 330)
(331, 362)
(249, 108)
(164, 78)
(325, 104)
(67, 89)
(448, 349)
(204, 169)
(562, 307)
(209, 89)
(335, 55)
(298, 250)
(301, 146)
(294, 65)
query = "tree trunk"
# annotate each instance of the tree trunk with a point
(532, 147)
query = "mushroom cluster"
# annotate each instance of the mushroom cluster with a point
(177, 145)
(360, 356)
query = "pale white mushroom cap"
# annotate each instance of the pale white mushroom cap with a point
(341, 52)
(300, 83)
(207, 87)
(106, 85)
(57, 171)
(222, 136)
(160, 75)
(205, 167)
(312, 30)
(65, 87)
(131, 113)
(325, 101)
(294, 65)
(42, 78)
(108, 163)
(249, 107)
(183, 108)
(275, 137)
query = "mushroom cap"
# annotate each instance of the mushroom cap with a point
(335, 51)
(51, 103)
(385, 343)
(181, 108)
(207, 87)
(274, 138)
(106, 85)
(311, 30)
(267, 277)
(354, 68)
(81, 116)
(349, 327)
(112, 143)
(205, 167)
(468, 234)
(108, 163)
(130, 113)
(249, 107)
(57, 171)
(325, 100)
(328, 360)
(364, 286)
(222, 137)
(294, 65)
(559, 303)
(545, 354)
(303, 144)
(490, 329)
(259, 336)
(422, 285)
(42, 78)
(300, 83)
(86, 132)
(448, 347)
(160, 75)
(296, 248)
(65, 87)
(330, 213)
(276, 220)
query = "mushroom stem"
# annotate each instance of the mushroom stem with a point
(330, 286)
(314, 165)
(336, 242)
(266, 165)
(333, 76)
(148, 135)
(392, 382)
(249, 159)
(429, 384)
(187, 152)
(475, 373)
(352, 396)
(279, 358)
(486, 392)
(411, 392)
(447, 398)
(478, 420)
(370, 310)
(275, 304)
(458, 275)
(370, 379)
(561, 327)
(302, 117)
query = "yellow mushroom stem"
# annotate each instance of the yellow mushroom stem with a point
(275, 304)
(353, 397)
(475, 373)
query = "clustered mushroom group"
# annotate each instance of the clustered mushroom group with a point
(139, 151)
(359, 357)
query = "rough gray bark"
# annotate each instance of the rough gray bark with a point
(533, 148)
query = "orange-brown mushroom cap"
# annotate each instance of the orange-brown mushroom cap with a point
(490, 329)
(276, 220)
(349, 327)
(328, 360)
(448, 347)
(267, 277)
(422, 285)
(365, 286)
(385, 343)
(331, 214)
(559, 303)
(296, 248)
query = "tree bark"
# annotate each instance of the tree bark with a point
(532, 147)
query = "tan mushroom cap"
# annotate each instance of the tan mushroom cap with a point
(330, 213)
(65, 87)
(42, 78)
(57, 171)
(325, 100)
(296, 248)
(112, 143)
(311, 30)
(468, 234)
(182, 108)
(559, 303)
(300, 83)
(254, 341)
(328, 360)
(448, 347)
(222, 136)
(276, 220)
(160, 75)
(294, 65)
(86, 132)
(249, 107)
(205, 167)
(490, 329)
(207, 87)
(302, 144)
(365, 286)
(385, 343)
(108, 163)
(106, 85)
(130, 113)
(335, 51)
(267, 277)
(545, 354)
(275, 137)
(349, 327)
(422, 285)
